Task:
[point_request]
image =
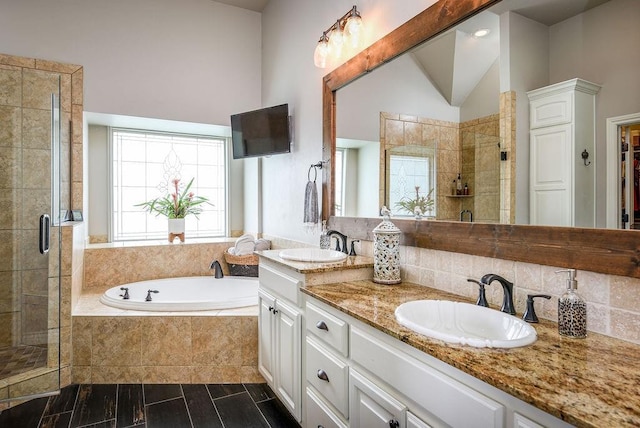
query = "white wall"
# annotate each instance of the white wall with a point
(369, 180)
(291, 29)
(601, 46)
(188, 60)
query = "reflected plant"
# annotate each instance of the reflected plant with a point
(419, 205)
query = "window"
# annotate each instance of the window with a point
(144, 164)
(339, 185)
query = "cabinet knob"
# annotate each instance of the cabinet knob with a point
(323, 375)
(393, 423)
(322, 326)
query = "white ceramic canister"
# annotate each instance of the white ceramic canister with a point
(386, 251)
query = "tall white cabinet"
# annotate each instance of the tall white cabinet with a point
(562, 128)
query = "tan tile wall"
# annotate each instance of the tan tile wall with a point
(165, 349)
(107, 265)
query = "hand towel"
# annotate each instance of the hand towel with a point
(262, 244)
(311, 214)
(245, 245)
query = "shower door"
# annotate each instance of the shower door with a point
(30, 140)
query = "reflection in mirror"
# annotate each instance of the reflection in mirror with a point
(410, 180)
(455, 81)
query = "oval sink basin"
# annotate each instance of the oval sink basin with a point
(465, 324)
(312, 255)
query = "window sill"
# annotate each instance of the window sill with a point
(161, 243)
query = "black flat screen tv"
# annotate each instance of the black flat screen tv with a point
(261, 132)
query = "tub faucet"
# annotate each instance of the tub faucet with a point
(463, 212)
(507, 287)
(343, 238)
(217, 269)
(148, 298)
(125, 296)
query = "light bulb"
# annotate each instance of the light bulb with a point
(336, 39)
(354, 29)
(321, 52)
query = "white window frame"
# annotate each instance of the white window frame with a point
(110, 184)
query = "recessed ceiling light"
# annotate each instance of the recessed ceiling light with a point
(482, 32)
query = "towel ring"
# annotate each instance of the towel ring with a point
(315, 175)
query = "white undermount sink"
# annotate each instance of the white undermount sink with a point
(465, 324)
(312, 255)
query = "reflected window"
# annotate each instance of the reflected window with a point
(411, 180)
(339, 185)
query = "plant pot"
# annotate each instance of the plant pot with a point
(176, 229)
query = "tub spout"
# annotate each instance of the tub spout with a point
(217, 269)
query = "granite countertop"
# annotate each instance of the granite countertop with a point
(592, 382)
(351, 262)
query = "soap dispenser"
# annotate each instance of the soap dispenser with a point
(572, 309)
(325, 239)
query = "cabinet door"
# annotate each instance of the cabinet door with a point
(266, 329)
(287, 325)
(551, 172)
(372, 407)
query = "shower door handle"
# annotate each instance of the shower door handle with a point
(45, 228)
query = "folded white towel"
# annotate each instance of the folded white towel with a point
(244, 248)
(262, 244)
(232, 250)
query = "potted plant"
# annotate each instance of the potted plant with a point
(176, 206)
(418, 206)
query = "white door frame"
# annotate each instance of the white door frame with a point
(613, 167)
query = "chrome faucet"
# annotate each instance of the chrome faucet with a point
(217, 269)
(342, 237)
(463, 212)
(507, 287)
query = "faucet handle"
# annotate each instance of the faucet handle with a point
(530, 313)
(482, 297)
(353, 249)
(338, 243)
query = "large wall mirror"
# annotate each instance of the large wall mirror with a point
(431, 82)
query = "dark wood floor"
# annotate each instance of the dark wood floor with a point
(153, 406)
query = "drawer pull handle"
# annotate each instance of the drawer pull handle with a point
(393, 423)
(322, 326)
(323, 375)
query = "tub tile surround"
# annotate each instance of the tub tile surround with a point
(588, 382)
(113, 345)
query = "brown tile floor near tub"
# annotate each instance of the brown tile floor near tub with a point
(153, 406)
(19, 359)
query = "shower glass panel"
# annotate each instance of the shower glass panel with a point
(30, 143)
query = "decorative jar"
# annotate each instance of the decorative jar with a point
(386, 251)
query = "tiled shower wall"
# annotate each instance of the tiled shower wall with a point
(472, 148)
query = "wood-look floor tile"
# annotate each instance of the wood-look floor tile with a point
(130, 405)
(220, 390)
(171, 413)
(154, 393)
(259, 391)
(239, 411)
(25, 415)
(276, 414)
(58, 420)
(62, 402)
(96, 403)
(203, 412)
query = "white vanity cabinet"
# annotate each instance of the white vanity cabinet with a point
(562, 127)
(279, 340)
(391, 384)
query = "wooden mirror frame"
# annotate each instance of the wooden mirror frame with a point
(612, 251)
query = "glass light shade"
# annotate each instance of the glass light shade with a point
(353, 28)
(336, 39)
(321, 53)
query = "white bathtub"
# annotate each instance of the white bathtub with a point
(196, 293)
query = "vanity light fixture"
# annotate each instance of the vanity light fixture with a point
(481, 32)
(347, 30)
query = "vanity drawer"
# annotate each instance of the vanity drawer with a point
(332, 330)
(319, 415)
(279, 283)
(328, 374)
(438, 393)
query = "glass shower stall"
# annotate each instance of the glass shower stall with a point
(31, 150)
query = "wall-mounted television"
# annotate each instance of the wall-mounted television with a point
(261, 132)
